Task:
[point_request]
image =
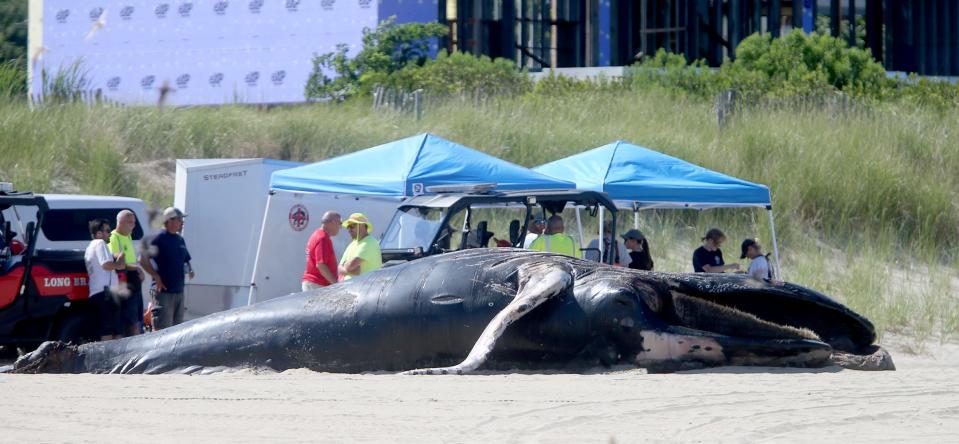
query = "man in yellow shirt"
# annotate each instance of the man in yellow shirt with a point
(131, 308)
(554, 239)
(363, 254)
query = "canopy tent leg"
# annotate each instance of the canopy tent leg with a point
(772, 229)
(579, 228)
(601, 240)
(259, 247)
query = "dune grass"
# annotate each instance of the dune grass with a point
(866, 201)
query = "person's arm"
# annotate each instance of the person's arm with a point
(108, 261)
(113, 264)
(325, 272)
(720, 268)
(352, 266)
(145, 265)
(189, 266)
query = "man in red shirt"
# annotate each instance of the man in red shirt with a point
(320, 257)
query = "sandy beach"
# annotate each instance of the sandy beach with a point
(919, 402)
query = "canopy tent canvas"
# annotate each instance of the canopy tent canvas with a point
(373, 181)
(640, 178)
(407, 167)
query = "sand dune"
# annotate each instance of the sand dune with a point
(919, 402)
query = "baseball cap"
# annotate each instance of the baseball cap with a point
(634, 234)
(172, 213)
(746, 244)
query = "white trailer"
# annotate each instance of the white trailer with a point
(289, 219)
(229, 206)
(224, 201)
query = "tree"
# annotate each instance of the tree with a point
(13, 30)
(387, 49)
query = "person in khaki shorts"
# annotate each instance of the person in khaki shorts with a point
(172, 265)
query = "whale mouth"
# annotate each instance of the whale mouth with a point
(749, 323)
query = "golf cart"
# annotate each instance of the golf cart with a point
(460, 217)
(44, 293)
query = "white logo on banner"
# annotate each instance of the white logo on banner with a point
(62, 15)
(417, 189)
(220, 7)
(183, 81)
(184, 9)
(126, 13)
(161, 10)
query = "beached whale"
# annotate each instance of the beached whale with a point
(499, 309)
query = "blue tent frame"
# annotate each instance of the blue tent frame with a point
(638, 178)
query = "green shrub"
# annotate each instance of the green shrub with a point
(671, 72)
(386, 49)
(460, 73)
(13, 30)
(800, 64)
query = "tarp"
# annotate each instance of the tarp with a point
(407, 166)
(638, 177)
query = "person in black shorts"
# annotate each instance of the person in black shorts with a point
(102, 269)
(709, 258)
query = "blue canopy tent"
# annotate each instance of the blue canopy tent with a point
(374, 181)
(407, 167)
(639, 178)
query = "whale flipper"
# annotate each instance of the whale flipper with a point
(538, 282)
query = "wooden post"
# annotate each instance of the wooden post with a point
(725, 106)
(418, 103)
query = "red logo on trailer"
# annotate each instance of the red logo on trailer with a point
(299, 217)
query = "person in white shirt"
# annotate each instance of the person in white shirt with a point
(101, 269)
(610, 246)
(759, 267)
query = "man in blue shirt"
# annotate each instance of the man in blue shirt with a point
(172, 263)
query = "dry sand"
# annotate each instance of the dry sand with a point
(919, 402)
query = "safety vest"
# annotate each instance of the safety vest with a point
(556, 243)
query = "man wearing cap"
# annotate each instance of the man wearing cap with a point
(535, 229)
(555, 240)
(321, 264)
(363, 254)
(172, 264)
(759, 267)
(639, 255)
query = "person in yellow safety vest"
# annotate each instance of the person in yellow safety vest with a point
(554, 239)
(362, 255)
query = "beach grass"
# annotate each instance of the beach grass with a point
(866, 199)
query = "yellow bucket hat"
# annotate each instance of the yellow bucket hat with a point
(358, 218)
